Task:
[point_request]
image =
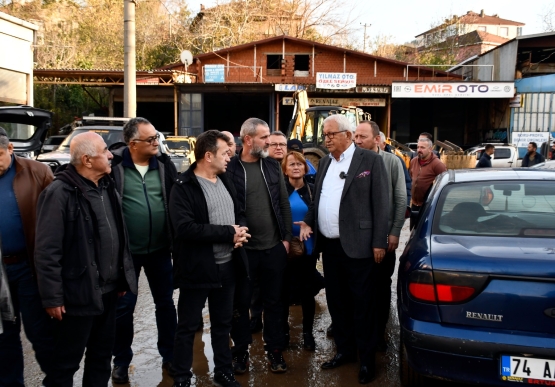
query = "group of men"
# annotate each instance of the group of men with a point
(226, 222)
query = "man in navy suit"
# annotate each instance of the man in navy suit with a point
(350, 219)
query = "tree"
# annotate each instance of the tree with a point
(548, 18)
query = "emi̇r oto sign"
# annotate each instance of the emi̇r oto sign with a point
(453, 90)
(336, 81)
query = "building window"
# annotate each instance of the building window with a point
(190, 121)
(504, 31)
(481, 28)
(301, 66)
(518, 31)
(273, 62)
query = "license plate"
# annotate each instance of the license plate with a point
(527, 369)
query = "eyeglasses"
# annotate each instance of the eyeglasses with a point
(331, 135)
(150, 140)
(278, 144)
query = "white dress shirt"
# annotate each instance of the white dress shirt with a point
(330, 197)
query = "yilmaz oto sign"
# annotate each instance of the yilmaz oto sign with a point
(453, 90)
(336, 81)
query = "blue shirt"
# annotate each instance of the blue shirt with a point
(11, 225)
(298, 212)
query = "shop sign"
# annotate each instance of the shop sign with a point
(214, 73)
(153, 81)
(336, 81)
(289, 87)
(346, 102)
(516, 101)
(453, 90)
(522, 139)
(288, 101)
(373, 89)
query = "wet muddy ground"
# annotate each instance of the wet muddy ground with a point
(303, 367)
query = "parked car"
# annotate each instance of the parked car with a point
(412, 145)
(110, 128)
(504, 155)
(548, 164)
(181, 146)
(52, 143)
(26, 126)
(476, 281)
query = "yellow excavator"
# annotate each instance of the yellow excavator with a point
(307, 125)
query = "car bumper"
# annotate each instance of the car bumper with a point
(468, 354)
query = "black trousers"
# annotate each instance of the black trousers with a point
(384, 271)
(298, 283)
(351, 300)
(96, 334)
(189, 307)
(267, 266)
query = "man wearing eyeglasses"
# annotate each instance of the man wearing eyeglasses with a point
(350, 216)
(144, 178)
(278, 145)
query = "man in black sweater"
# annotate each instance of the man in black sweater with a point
(485, 159)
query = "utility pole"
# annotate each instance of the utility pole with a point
(364, 44)
(129, 60)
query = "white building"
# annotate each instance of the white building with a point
(16, 60)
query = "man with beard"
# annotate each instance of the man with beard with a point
(423, 171)
(532, 157)
(263, 197)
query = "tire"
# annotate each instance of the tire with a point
(408, 376)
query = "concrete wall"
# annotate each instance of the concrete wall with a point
(16, 61)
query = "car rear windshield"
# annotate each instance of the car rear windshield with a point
(17, 131)
(110, 136)
(498, 208)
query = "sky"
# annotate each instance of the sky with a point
(404, 19)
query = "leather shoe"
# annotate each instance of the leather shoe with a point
(366, 374)
(120, 374)
(338, 360)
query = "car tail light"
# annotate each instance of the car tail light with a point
(445, 287)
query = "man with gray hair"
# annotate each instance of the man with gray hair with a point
(21, 182)
(144, 178)
(263, 197)
(368, 136)
(349, 215)
(82, 260)
(423, 171)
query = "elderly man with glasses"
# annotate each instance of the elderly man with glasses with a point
(349, 216)
(144, 178)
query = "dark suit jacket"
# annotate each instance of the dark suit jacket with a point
(364, 208)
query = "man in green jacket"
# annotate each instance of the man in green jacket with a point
(144, 178)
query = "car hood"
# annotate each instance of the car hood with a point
(55, 155)
(27, 115)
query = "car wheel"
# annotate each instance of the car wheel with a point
(409, 377)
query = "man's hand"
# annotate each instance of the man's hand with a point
(241, 236)
(286, 244)
(392, 243)
(56, 312)
(306, 230)
(378, 255)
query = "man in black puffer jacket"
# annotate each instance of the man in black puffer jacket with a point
(82, 261)
(262, 195)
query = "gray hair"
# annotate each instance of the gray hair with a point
(80, 148)
(427, 141)
(4, 140)
(131, 128)
(249, 127)
(382, 136)
(343, 123)
(278, 133)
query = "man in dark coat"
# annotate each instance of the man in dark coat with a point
(262, 195)
(485, 158)
(350, 218)
(209, 231)
(144, 178)
(82, 261)
(532, 157)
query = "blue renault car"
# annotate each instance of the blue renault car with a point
(476, 281)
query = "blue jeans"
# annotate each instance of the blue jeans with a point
(36, 322)
(158, 270)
